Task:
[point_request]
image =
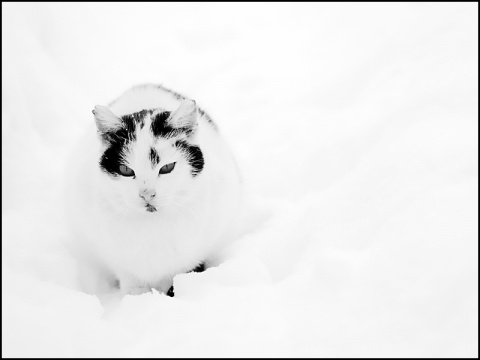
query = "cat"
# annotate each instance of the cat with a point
(154, 191)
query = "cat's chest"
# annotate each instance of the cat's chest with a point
(151, 231)
(151, 246)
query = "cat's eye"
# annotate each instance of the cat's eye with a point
(167, 168)
(125, 170)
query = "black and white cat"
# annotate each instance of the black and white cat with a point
(154, 192)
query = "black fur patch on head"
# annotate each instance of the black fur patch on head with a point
(154, 158)
(117, 140)
(194, 156)
(112, 158)
(161, 128)
(131, 120)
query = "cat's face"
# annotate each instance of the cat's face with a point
(148, 162)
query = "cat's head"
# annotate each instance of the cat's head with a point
(148, 161)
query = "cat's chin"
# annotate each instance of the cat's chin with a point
(150, 208)
(143, 210)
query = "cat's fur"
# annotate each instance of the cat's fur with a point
(138, 232)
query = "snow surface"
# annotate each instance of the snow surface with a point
(356, 128)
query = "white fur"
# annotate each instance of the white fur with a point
(116, 238)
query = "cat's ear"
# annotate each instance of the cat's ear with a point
(105, 119)
(185, 116)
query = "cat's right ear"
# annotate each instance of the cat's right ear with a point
(106, 120)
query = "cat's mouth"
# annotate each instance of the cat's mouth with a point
(150, 208)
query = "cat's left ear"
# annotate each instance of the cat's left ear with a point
(185, 116)
(105, 119)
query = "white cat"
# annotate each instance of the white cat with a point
(154, 191)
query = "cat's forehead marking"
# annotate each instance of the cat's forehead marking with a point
(160, 126)
(131, 121)
(154, 157)
(193, 154)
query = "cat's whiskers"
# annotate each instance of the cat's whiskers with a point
(182, 207)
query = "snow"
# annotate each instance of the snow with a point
(356, 129)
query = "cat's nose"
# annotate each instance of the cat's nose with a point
(147, 194)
